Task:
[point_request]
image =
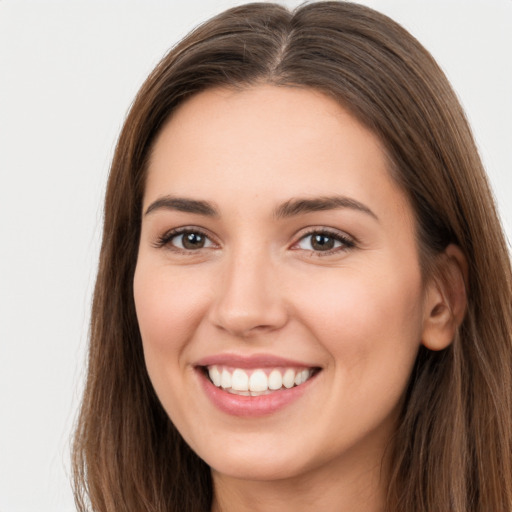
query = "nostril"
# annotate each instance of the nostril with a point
(245, 324)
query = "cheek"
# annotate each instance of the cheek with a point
(367, 320)
(168, 309)
(371, 327)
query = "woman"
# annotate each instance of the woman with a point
(303, 299)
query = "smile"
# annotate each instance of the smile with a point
(254, 386)
(258, 381)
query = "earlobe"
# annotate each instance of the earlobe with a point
(445, 299)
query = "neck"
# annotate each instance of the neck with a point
(353, 488)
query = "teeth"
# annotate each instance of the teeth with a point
(289, 378)
(215, 375)
(259, 393)
(241, 392)
(225, 379)
(258, 383)
(275, 380)
(240, 380)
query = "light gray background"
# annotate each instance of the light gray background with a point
(68, 72)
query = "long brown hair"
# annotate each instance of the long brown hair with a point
(452, 450)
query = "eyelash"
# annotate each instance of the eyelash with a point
(346, 243)
(167, 237)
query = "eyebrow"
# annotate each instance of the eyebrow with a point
(183, 205)
(300, 206)
(290, 208)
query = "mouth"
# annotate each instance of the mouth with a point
(257, 385)
(257, 381)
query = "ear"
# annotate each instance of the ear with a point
(445, 300)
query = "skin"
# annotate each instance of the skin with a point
(358, 312)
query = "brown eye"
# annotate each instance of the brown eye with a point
(186, 240)
(324, 241)
(321, 242)
(193, 240)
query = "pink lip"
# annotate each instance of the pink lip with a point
(253, 361)
(252, 406)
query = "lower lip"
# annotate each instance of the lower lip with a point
(251, 406)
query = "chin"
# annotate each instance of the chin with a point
(258, 468)
(259, 460)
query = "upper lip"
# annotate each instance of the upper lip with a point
(252, 361)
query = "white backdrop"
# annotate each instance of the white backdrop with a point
(68, 72)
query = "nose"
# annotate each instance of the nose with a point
(249, 298)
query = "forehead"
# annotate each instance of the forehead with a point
(266, 144)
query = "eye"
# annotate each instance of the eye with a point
(185, 240)
(324, 241)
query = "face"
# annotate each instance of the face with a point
(277, 288)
